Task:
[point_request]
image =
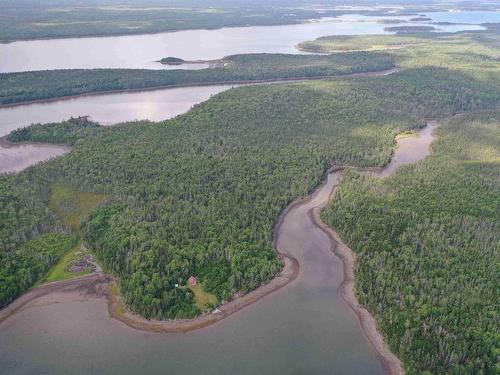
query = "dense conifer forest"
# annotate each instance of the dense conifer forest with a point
(428, 248)
(25, 86)
(200, 194)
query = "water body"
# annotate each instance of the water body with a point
(15, 158)
(411, 149)
(141, 51)
(470, 17)
(304, 327)
(107, 109)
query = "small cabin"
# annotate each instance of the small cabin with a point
(192, 281)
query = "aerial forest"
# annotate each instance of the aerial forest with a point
(428, 249)
(200, 194)
(39, 85)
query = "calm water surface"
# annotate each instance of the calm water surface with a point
(110, 109)
(141, 51)
(15, 158)
(303, 328)
(411, 149)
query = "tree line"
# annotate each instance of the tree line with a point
(200, 194)
(428, 249)
(38, 85)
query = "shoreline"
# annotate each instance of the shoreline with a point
(338, 247)
(42, 290)
(347, 290)
(288, 274)
(211, 63)
(199, 84)
(5, 143)
(299, 22)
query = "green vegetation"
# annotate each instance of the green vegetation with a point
(36, 19)
(202, 298)
(428, 249)
(66, 132)
(22, 268)
(25, 86)
(336, 43)
(172, 60)
(409, 29)
(427, 238)
(199, 194)
(34, 221)
(61, 270)
(72, 206)
(473, 53)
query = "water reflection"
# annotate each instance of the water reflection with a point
(141, 51)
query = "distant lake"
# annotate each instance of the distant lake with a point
(141, 51)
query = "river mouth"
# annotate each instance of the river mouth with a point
(304, 327)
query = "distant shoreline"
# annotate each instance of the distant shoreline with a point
(198, 84)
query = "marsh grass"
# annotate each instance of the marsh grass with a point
(72, 206)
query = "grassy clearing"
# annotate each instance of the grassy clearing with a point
(61, 270)
(72, 206)
(202, 298)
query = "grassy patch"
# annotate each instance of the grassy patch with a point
(61, 270)
(202, 298)
(406, 134)
(72, 206)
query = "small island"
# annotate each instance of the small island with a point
(391, 21)
(420, 19)
(170, 60)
